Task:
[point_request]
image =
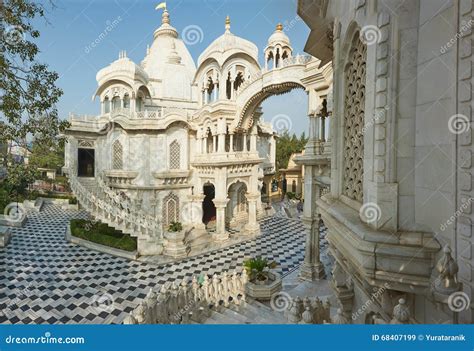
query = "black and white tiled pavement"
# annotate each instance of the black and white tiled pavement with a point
(44, 279)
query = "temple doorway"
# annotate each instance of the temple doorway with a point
(85, 162)
(208, 207)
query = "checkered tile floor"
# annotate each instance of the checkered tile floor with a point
(44, 279)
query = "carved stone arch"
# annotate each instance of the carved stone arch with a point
(170, 209)
(236, 181)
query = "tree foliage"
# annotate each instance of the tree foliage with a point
(287, 145)
(28, 88)
(47, 155)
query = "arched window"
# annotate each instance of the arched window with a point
(117, 155)
(139, 104)
(106, 105)
(354, 111)
(228, 87)
(277, 59)
(175, 155)
(126, 101)
(242, 204)
(115, 103)
(170, 209)
(239, 79)
(270, 60)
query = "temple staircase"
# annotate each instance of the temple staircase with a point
(114, 208)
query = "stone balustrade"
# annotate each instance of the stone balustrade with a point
(115, 209)
(308, 311)
(290, 61)
(190, 300)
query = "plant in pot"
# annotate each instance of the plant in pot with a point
(175, 245)
(263, 283)
(258, 269)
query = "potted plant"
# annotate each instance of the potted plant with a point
(175, 245)
(263, 282)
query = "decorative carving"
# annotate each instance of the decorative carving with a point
(354, 111)
(401, 313)
(86, 143)
(117, 155)
(446, 283)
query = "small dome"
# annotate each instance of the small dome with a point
(227, 45)
(279, 37)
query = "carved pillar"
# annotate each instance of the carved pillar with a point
(312, 268)
(244, 146)
(252, 226)
(221, 233)
(214, 143)
(253, 140)
(231, 143)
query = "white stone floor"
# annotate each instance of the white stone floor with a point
(45, 280)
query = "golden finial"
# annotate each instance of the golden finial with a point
(279, 27)
(227, 24)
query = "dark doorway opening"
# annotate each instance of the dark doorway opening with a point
(85, 162)
(208, 207)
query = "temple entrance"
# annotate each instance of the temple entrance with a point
(85, 162)
(208, 207)
(237, 211)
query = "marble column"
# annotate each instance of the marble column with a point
(252, 226)
(312, 268)
(221, 234)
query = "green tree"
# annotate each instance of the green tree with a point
(286, 145)
(47, 155)
(28, 88)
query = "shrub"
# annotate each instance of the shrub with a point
(175, 227)
(101, 233)
(257, 267)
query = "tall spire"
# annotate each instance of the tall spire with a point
(165, 17)
(227, 24)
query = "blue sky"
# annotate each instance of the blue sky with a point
(73, 25)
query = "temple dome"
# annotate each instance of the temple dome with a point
(169, 64)
(279, 37)
(227, 45)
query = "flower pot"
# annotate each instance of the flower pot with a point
(175, 245)
(264, 290)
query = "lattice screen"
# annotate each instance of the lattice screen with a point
(170, 209)
(175, 155)
(242, 204)
(117, 155)
(354, 110)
